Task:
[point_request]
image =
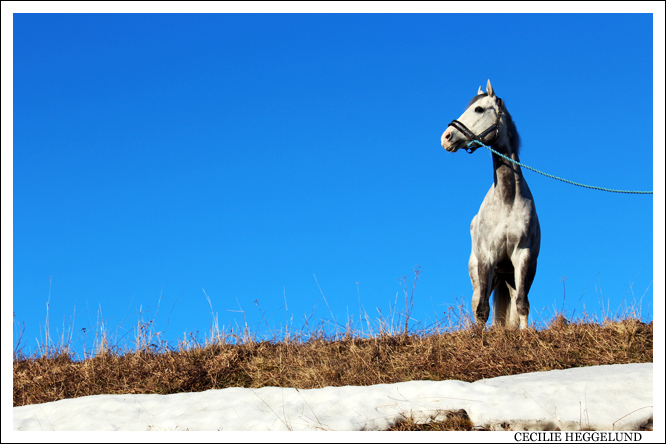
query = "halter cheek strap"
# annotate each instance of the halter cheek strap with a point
(479, 138)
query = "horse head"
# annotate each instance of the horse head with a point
(481, 121)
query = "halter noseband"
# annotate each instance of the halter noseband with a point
(479, 138)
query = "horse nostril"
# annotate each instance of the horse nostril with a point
(447, 136)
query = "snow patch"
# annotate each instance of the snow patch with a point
(609, 397)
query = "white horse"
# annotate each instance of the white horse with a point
(505, 233)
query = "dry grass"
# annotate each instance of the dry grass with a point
(454, 421)
(462, 355)
(388, 354)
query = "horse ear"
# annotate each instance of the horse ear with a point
(480, 91)
(489, 89)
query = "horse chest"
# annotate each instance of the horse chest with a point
(496, 233)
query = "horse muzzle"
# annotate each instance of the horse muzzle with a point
(449, 142)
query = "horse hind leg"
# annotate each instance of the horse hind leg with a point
(503, 306)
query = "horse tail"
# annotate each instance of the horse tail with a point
(502, 304)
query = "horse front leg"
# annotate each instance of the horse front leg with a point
(480, 275)
(525, 269)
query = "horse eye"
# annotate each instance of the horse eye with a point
(478, 109)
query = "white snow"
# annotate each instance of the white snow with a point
(610, 397)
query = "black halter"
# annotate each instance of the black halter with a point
(471, 137)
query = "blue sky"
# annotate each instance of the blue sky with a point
(156, 157)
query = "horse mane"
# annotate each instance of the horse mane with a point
(512, 132)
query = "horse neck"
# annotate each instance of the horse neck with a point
(507, 175)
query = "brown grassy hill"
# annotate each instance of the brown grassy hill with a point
(464, 354)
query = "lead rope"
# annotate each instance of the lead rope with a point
(555, 177)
